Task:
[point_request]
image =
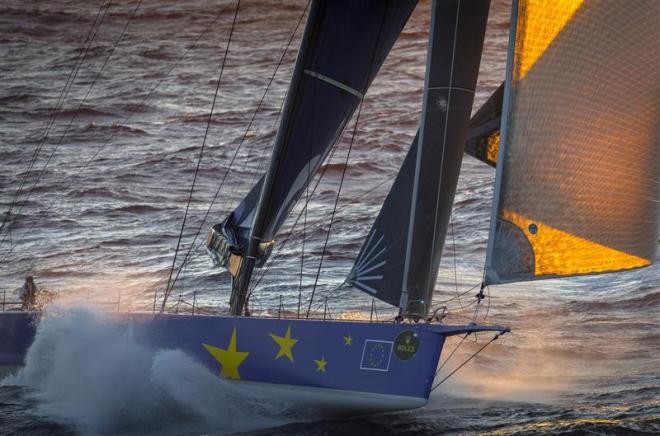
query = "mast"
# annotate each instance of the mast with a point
(241, 282)
(455, 44)
(399, 261)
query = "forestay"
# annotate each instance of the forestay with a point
(578, 187)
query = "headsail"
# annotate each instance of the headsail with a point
(578, 183)
(400, 258)
(483, 138)
(347, 42)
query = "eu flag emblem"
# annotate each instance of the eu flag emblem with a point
(376, 355)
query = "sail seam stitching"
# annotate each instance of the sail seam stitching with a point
(334, 83)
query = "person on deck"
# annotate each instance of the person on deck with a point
(29, 294)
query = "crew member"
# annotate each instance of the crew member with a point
(29, 294)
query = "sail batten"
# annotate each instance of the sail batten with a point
(577, 180)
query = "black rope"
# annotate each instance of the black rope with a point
(82, 167)
(487, 305)
(366, 86)
(302, 252)
(334, 210)
(60, 102)
(82, 102)
(348, 203)
(259, 105)
(453, 241)
(245, 134)
(462, 294)
(307, 197)
(450, 355)
(201, 152)
(53, 113)
(467, 360)
(291, 233)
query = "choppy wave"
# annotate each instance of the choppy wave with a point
(81, 112)
(644, 301)
(93, 126)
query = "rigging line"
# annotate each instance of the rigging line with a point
(268, 266)
(334, 210)
(124, 121)
(487, 305)
(453, 239)
(293, 34)
(217, 192)
(329, 295)
(304, 232)
(201, 152)
(468, 360)
(442, 365)
(291, 232)
(379, 42)
(352, 201)
(63, 92)
(48, 123)
(82, 102)
(263, 97)
(462, 294)
(304, 227)
(193, 252)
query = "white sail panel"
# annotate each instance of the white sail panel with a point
(578, 189)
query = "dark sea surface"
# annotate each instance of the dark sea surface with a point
(100, 211)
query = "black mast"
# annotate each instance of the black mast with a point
(400, 258)
(458, 28)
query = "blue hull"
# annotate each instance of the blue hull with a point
(17, 330)
(336, 366)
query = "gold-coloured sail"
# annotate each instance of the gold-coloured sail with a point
(578, 184)
(540, 21)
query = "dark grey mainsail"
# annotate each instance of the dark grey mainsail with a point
(344, 45)
(400, 258)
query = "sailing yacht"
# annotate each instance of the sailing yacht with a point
(577, 190)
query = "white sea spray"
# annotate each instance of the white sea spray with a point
(85, 369)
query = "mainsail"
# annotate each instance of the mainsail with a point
(345, 44)
(578, 176)
(400, 258)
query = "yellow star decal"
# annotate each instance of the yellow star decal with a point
(348, 340)
(320, 364)
(286, 343)
(230, 359)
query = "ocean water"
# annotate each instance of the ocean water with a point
(100, 209)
